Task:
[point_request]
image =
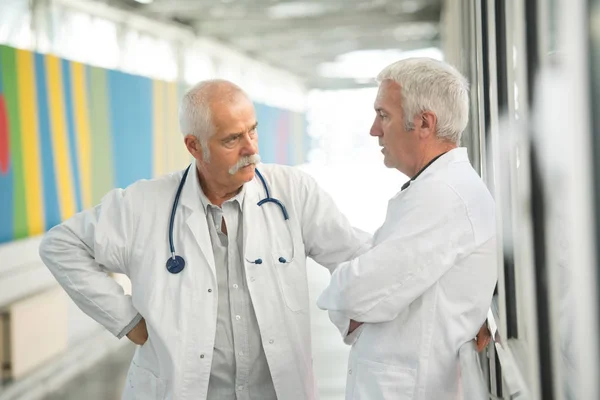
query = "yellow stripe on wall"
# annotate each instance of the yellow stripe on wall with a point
(159, 126)
(30, 142)
(82, 129)
(177, 156)
(60, 141)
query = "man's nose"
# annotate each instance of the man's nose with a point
(249, 146)
(375, 129)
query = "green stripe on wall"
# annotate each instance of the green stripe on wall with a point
(101, 144)
(8, 66)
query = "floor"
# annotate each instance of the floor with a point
(103, 382)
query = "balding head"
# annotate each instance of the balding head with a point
(199, 103)
(219, 125)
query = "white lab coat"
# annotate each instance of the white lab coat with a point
(424, 288)
(128, 233)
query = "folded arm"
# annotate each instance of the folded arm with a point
(427, 240)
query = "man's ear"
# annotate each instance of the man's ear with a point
(194, 147)
(427, 123)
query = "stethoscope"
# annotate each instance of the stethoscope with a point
(175, 263)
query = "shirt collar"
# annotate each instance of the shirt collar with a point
(457, 154)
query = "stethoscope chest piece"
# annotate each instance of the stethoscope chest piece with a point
(175, 264)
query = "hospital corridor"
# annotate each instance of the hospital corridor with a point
(299, 199)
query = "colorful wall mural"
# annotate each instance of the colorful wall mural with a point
(71, 132)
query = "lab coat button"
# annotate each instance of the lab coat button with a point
(350, 371)
(209, 290)
(201, 355)
(251, 279)
(238, 317)
(271, 341)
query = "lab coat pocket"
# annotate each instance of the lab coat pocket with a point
(292, 282)
(142, 384)
(377, 381)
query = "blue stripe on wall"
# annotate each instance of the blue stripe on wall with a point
(68, 93)
(6, 191)
(284, 141)
(266, 132)
(130, 100)
(51, 209)
(6, 206)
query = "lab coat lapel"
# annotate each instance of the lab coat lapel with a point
(254, 224)
(196, 217)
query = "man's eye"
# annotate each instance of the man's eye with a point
(230, 142)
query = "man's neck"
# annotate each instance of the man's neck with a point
(216, 193)
(429, 154)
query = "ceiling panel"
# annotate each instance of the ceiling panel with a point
(299, 36)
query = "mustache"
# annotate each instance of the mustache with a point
(243, 162)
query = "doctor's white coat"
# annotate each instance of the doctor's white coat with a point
(128, 233)
(423, 290)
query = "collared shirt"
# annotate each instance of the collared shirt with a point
(239, 367)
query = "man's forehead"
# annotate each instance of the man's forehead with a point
(233, 121)
(389, 92)
(232, 109)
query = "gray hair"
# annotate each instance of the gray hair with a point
(431, 85)
(195, 113)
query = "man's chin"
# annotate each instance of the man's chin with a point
(387, 162)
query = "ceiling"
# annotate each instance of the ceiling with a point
(305, 37)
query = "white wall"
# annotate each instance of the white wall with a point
(44, 321)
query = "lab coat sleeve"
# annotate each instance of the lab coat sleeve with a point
(329, 239)
(82, 250)
(429, 237)
(342, 322)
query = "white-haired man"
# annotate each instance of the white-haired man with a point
(216, 256)
(424, 288)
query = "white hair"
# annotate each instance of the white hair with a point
(195, 114)
(427, 84)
